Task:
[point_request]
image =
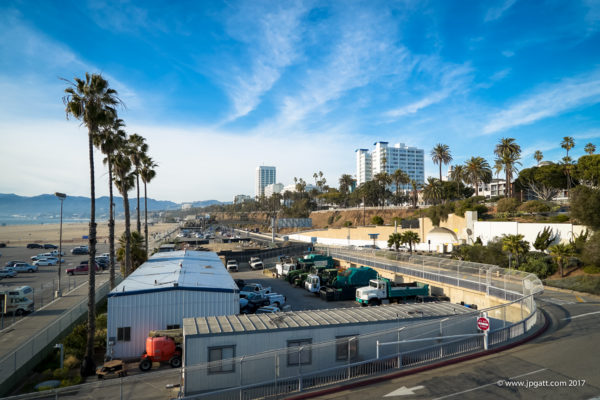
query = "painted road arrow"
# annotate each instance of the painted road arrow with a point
(404, 391)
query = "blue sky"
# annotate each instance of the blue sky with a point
(218, 88)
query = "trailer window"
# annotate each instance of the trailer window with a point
(124, 334)
(173, 326)
(297, 356)
(221, 359)
(342, 344)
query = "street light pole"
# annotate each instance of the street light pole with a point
(61, 197)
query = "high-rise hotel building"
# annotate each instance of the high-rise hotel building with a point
(264, 176)
(385, 158)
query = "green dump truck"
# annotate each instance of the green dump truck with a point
(384, 289)
(344, 285)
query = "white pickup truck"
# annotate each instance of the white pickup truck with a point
(284, 266)
(255, 263)
(254, 288)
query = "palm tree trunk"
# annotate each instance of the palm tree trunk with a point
(440, 171)
(127, 235)
(88, 367)
(146, 217)
(139, 228)
(111, 226)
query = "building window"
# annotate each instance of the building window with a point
(221, 359)
(124, 334)
(176, 326)
(299, 352)
(343, 344)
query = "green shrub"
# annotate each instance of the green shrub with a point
(591, 250)
(560, 218)
(538, 263)
(581, 283)
(347, 223)
(509, 205)
(591, 269)
(337, 217)
(535, 206)
(377, 220)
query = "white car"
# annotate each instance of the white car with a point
(23, 267)
(54, 253)
(232, 266)
(46, 261)
(40, 256)
(255, 263)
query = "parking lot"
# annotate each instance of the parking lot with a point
(45, 281)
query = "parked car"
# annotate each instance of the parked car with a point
(55, 253)
(2, 244)
(232, 266)
(34, 246)
(102, 262)
(254, 288)
(80, 250)
(7, 272)
(79, 270)
(46, 261)
(255, 263)
(23, 267)
(41, 256)
(50, 246)
(240, 283)
(115, 368)
(254, 302)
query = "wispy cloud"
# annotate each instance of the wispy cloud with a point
(497, 12)
(548, 102)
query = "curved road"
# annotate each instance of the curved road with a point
(562, 363)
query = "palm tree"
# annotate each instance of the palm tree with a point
(433, 190)
(346, 182)
(137, 250)
(109, 140)
(567, 143)
(508, 153)
(516, 246)
(125, 181)
(93, 102)
(441, 154)
(399, 177)
(147, 173)
(137, 149)
(538, 156)
(458, 175)
(383, 179)
(561, 253)
(477, 170)
(414, 193)
(410, 237)
(395, 240)
(590, 148)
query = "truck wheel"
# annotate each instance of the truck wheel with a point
(70, 273)
(374, 302)
(277, 304)
(145, 365)
(175, 362)
(19, 312)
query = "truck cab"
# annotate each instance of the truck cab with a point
(17, 301)
(373, 293)
(313, 283)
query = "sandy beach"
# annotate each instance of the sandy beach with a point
(18, 235)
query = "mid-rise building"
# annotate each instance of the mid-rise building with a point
(384, 158)
(273, 188)
(240, 198)
(264, 176)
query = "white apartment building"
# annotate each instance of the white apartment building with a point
(240, 198)
(264, 176)
(411, 160)
(273, 188)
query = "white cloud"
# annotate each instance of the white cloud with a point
(548, 102)
(497, 12)
(508, 53)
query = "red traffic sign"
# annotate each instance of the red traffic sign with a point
(483, 323)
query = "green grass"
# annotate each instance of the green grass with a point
(582, 283)
(591, 269)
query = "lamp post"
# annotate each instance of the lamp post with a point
(61, 197)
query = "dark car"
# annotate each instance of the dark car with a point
(240, 283)
(34, 246)
(50, 246)
(255, 301)
(2, 244)
(80, 250)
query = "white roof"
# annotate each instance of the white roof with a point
(178, 270)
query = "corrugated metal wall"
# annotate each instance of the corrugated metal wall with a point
(155, 310)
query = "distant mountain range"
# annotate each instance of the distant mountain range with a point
(46, 207)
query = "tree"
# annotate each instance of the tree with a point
(477, 170)
(383, 179)
(544, 181)
(561, 253)
(138, 252)
(590, 148)
(410, 237)
(508, 153)
(458, 175)
(591, 251)
(516, 246)
(414, 196)
(585, 203)
(92, 101)
(147, 173)
(137, 150)
(346, 182)
(110, 139)
(395, 240)
(432, 191)
(568, 143)
(125, 181)
(300, 185)
(441, 154)
(538, 156)
(377, 220)
(544, 239)
(587, 170)
(399, 177)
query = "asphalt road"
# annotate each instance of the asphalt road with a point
(560, 364)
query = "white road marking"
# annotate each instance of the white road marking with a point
(558, 301)
(489, 384)
(581, 315)
(403, 391)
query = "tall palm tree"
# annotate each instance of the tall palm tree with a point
(567, 163)
(516, 246)
(394, 240)
(136, 248)
(383, 179)
(125, 181)
(137, 149)
(567, 143)
(538, 156)
(399, 177)
(561, 253)
(415, 192)
(508, 153)
(433, 190)
(109, 140)
(147, 173)
(590, 148)
(92, 101)
(410, 237)
(346, 182)
(441, 154)
(477, 170)
(458, 176)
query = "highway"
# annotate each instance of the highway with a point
(567, 354)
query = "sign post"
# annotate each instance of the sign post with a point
(483, 323)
